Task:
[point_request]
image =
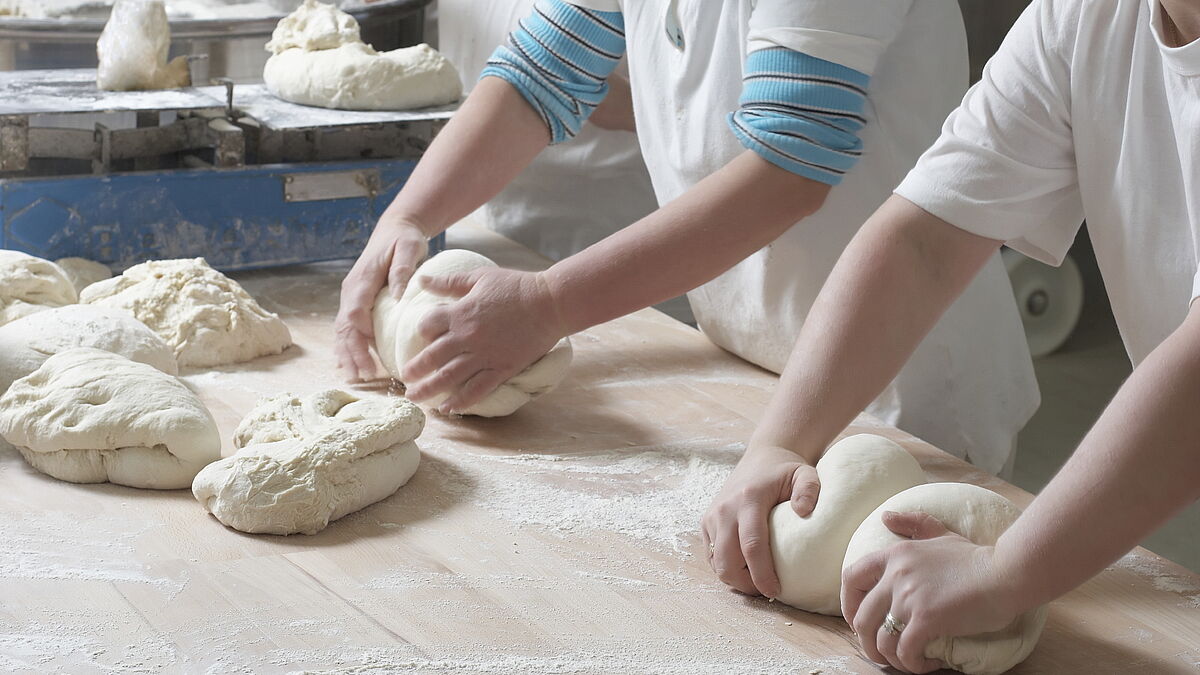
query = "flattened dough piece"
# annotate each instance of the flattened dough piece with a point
(206, 317)
(83, 272)
(397, 339)
(304, 463)
(26, 343)
(30, 284)
(981, 516)
(857, 474)
(90, 416)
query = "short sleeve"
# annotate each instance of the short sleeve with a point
(850, 33)
(1004, 166)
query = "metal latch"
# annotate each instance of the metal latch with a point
(315, 187)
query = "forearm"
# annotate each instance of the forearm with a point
(491, 139)
(719, 222)
(898, 275)
(1138, 466)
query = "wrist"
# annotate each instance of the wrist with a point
(555, 287)
(1015, 579)
(552, 299)
(400, 221)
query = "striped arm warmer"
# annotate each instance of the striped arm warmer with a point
(559, 59)
(801, 113)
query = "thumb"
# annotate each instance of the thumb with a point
(457, 284)
(914, 525)
(806, 487)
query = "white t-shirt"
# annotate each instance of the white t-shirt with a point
(1083, 113)
(969, 388)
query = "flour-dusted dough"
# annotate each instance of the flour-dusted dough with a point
(206, 317)
(29, 284)
(397, 339)
(26, 343)
(981, 516)
(304, 463)
(133, 47)
(83, 272)
(319, 59)
(857, 474)
(90, 416)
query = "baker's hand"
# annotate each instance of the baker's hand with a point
(735, 530)
(390, 257)
(938, 584)
(504, 321)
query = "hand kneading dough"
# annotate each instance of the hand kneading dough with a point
(206, 317)
(857, 474)
(320, 60)
(397, 339)
(304, 463)
(29, 284)
(133, 48)
(981, 516)
(83, 272)
(90, 416)
(26, 343)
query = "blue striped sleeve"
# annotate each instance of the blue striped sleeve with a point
(559, 59)
(801, 113)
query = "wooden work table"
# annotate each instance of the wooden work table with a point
(559, 540)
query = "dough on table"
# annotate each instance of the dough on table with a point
(206, 317)
(132, 49)
(857, 474)
(319, 59)
(981, 516)
(89, 416)
(26, 343)
(30, 284)
(397, 339)
(303, 463)
(83, 272)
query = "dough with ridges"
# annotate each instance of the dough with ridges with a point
(305, 462)
(30, 284)
(206, 317)
(981, 516)
(89, 416)
(397, 339)
(857, 474)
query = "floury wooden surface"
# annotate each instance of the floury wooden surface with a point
(560, 540)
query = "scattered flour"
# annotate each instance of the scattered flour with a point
(1162, 577)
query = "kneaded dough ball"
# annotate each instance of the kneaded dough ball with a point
(397, 339)
(90, 416)
(26, 343)
(981, 516)
(206, 317)
(83, 272)
(304, 463)
(29, 284)
(857, 474)
(319, 59)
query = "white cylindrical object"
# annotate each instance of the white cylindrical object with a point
(1050, 299)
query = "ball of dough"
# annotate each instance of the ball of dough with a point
(397, 339)
(26, 343)
(90, 416)
(29, 284)
(319, 59)
(981, 516)
(206, 317)
(132, 49)
(83, 272)
(857, 474)
(304, 463)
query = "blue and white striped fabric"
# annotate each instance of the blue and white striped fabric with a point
(801, 113)
(559, 59)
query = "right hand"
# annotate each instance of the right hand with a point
(735, 529)
(390, 257)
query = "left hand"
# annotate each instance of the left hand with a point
(504, 321)
(939, 584)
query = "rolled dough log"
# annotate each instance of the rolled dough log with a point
(133, 47)
(397, 339)
(304, 463)
(29, 284)
(857, 474)
(981, 516)
(90, 416)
